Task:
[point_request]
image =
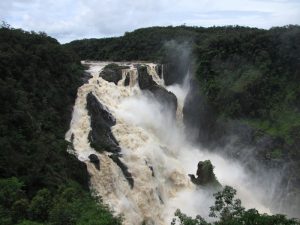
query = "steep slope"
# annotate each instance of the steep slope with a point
(39, 180)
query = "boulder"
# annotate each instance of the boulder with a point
(205, 175)
(112, 72)
(95, 160)
(100, 136)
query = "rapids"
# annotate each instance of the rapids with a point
(154, 149)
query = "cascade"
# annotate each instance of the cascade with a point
(153, 151)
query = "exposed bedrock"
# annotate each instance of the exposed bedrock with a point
(145, 80)
(95, 160)
(127, 80)
(100, 136)
(175, 73)
(124, 168)
(159, 70)
(165, 97)
(112, 72)
(85, 78)
(205, 175)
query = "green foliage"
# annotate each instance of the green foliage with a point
(245, 75)
(39, 181)
(187, 220)
(28, 222)
(226, 207)
(229, 211)
(73, 206)
(141, 44)
(68, 205)
(40, 205)
(10, 191)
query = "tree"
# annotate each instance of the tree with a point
(229, 211)
(226, 207)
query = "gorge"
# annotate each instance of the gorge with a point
(144, 163)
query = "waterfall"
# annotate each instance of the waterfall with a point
(153, 148)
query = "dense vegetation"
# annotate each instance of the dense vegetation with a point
(40, 183)
(254, 75)
(141, 44)
(229, 211)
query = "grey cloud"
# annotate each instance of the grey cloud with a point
(75, 19)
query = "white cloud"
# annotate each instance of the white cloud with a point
(75, 19)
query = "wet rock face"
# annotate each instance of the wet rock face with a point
(165, 97)
(127, 80)
(85, 78)
(145, 80)
(158, 69)
(101, 137)
(112, 73)
(205, 175)
(124, 168)
(95, 160)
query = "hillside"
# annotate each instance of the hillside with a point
(40, 182)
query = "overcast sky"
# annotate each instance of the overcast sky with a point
(68, 20)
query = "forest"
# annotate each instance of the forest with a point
(245, 74)
(41, 183)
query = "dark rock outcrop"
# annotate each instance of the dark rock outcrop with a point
(95, 160)
(127, 80)
(124, 168)
(145, 80)
(85, 78)
(112, 72)
(77, 170)
(165, 97)
(151, 168)
(205, 175)
(159, 70)
(101, 137)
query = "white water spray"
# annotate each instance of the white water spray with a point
(154, 149)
